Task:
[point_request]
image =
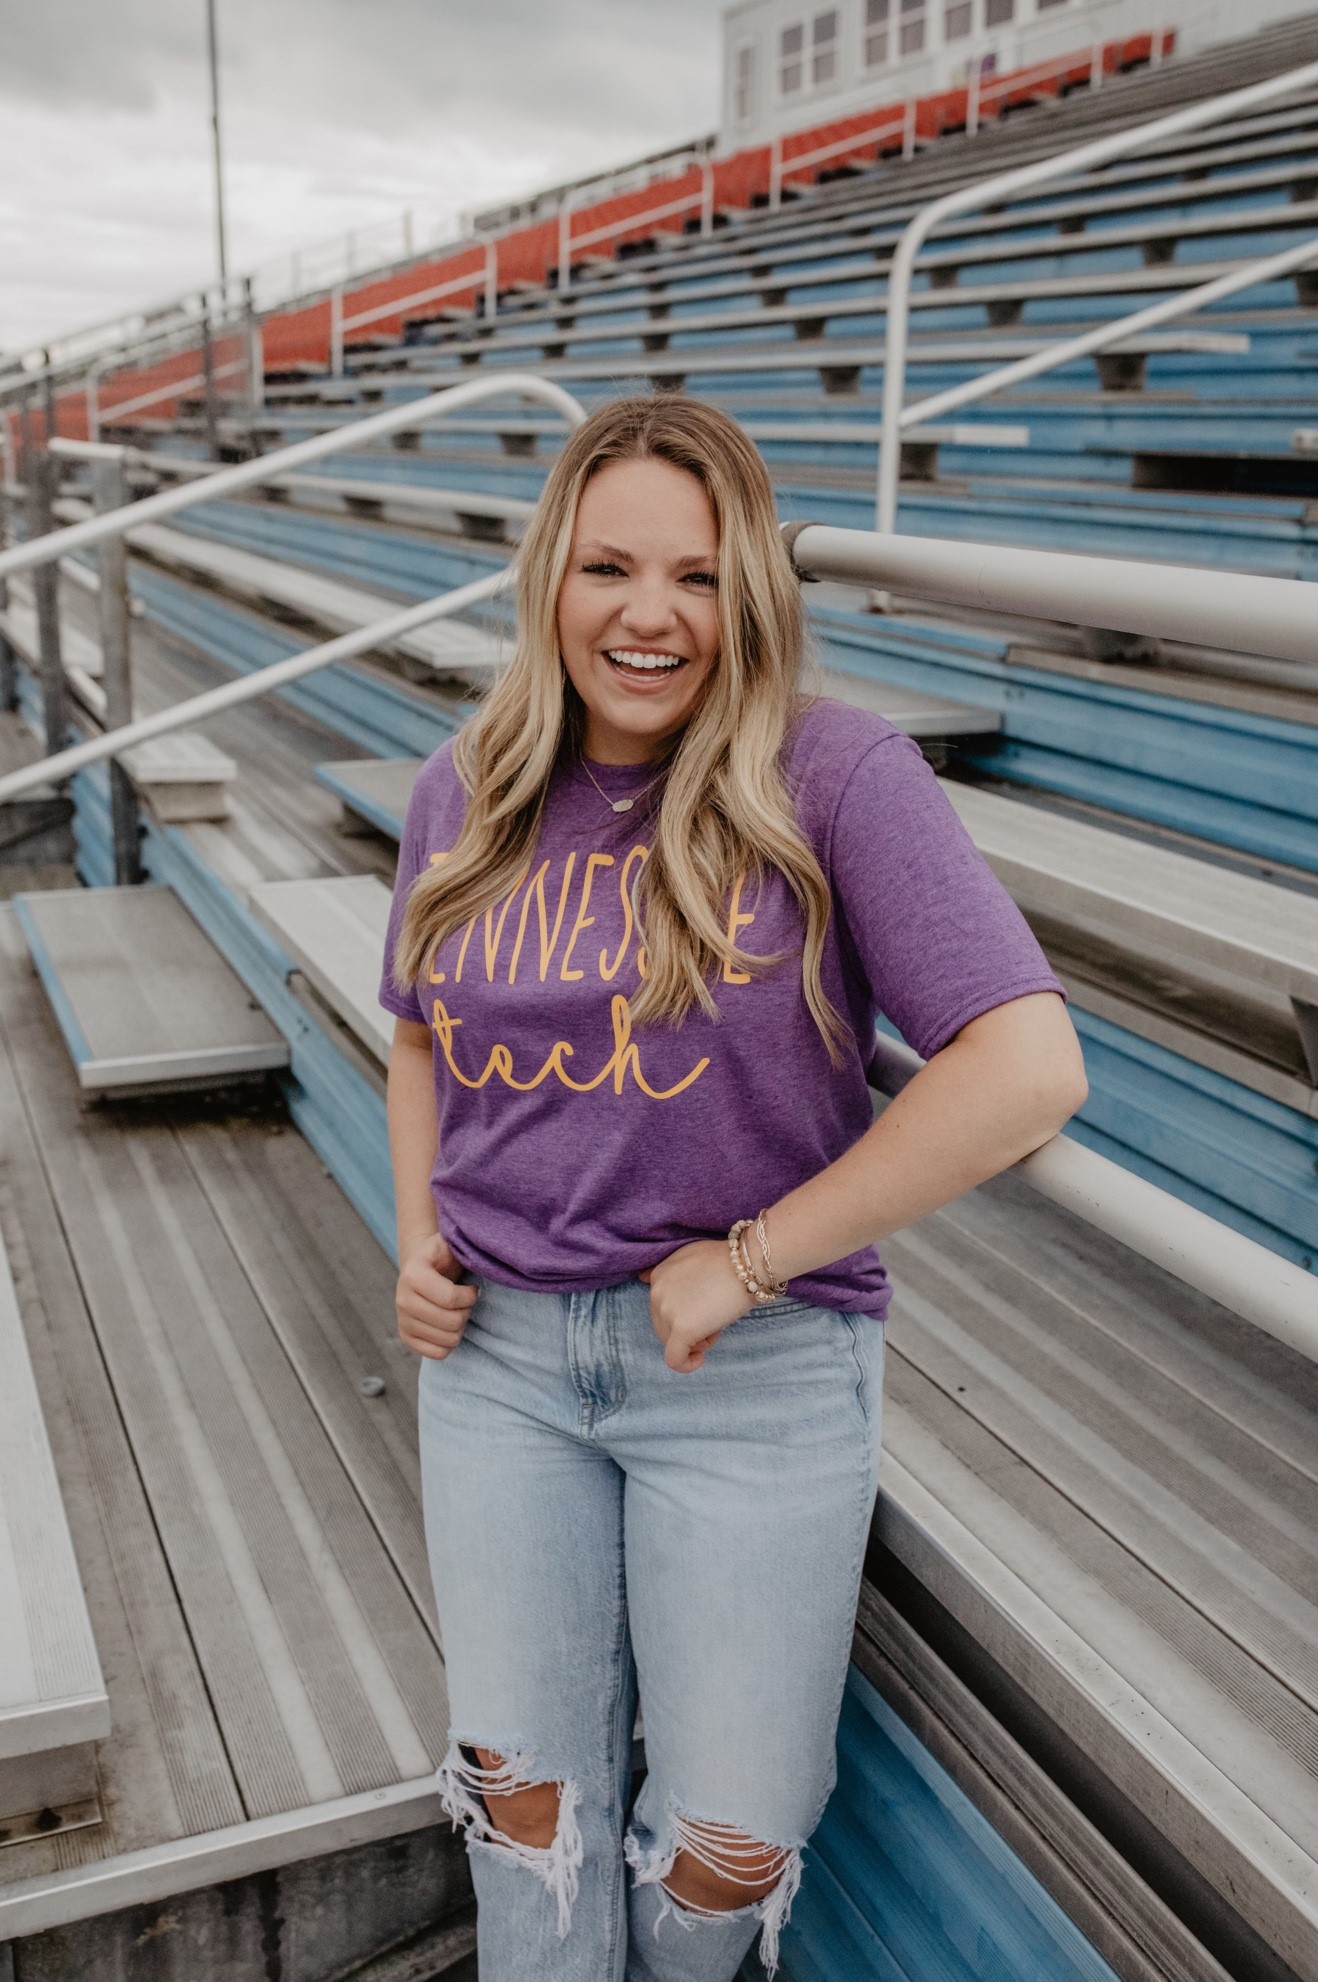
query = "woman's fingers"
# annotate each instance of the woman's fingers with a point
(432, 1309)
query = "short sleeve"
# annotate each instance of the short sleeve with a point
(936, 935)
(403, 1002)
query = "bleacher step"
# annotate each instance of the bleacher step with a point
(376, 789)
(144, 1000)
(53, 1702)
(334, 929)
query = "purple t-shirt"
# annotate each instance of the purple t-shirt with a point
(575, 1150)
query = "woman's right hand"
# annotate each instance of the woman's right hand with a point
(432, 1303)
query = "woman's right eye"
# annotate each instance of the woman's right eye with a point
(603, 570)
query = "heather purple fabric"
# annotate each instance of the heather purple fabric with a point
(574, 1150)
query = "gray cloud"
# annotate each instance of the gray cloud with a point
(337, 113)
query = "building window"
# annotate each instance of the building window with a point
(958, 21)
(877, 13)
(997, 13)
(911, 38)
(743, 84)
(1044, 4)
(790, 70)
(823, 39)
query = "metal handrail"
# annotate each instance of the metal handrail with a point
(1277, 617)
(781, 169)
(1254, 1282)
(248, 687)
(1267, 269)
(485, 278)
(665, 210)
(1001, 186)
(250, 474)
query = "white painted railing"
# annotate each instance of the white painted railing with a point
(483, 280)
(781, 169)
(1001, 186)
(1276, 617)
(664, 209)
(1249, 1279)
(250, 474)
(1269, 268)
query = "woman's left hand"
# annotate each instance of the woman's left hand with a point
(694, 1296)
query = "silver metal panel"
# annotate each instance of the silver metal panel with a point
(335, 930)
(51, 1689)
(909, 709)
(250, 1516)
(1114, 1485)
(142, 995)
(465, 652)
(1147, 895)
(376, 787)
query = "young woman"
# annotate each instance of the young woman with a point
(649, 904)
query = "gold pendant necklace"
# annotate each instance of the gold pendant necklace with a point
(619, 804)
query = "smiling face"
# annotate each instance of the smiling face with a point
(638, 607)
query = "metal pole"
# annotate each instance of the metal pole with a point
(776, 172)
(8, 664)
(109, 491)
(972, 99)
(211, 412)
(908, 129)
(706, 196)
(491, 281)
(42, 474)
(250, 474)
(94, 401)
(564, 246)
(221, 242)
(252, 346)
(48, 385)
(336, 331)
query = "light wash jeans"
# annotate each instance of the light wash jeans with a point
(596, 1521)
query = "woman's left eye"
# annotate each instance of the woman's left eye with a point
(708, 579)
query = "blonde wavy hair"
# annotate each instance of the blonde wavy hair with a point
(725, 810)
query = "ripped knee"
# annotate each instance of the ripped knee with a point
(721, 1868)
(527, 1813)
(503, 1809)
(707, 1870)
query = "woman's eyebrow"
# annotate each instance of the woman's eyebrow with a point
(593, 548)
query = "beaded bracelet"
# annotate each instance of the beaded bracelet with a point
(741, 1266)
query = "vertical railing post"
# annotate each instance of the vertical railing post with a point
(251, 336)
(776, 172)
(52, 410)
(109, 491)
(564, 246)
(92, 396)
(972, 99)
(706, 196)
(491, 281)
(908, 129)
(8, 662)
(336, 331)
(1096, 66)
(210, 411)
(42, 475)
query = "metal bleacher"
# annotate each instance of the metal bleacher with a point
(1080, 1739)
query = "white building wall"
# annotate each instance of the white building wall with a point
(791, 64)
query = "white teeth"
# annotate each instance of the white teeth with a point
(626, 658)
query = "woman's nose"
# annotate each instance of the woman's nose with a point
(647, 610)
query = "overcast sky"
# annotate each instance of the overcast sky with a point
(336, 113)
